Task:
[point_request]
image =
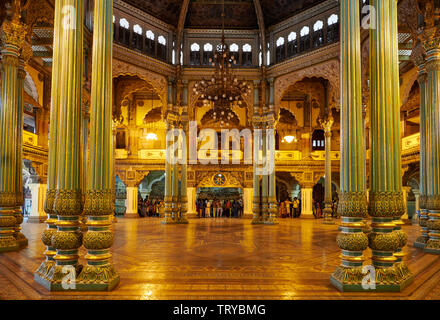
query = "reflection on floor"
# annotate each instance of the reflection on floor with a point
(217, 259)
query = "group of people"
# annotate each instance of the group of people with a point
(290, 209)
(150, 208)
(219, 208)
(318, 208)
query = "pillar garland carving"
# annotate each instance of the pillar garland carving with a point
(386, 197)
(352, 199)
(432, 47)
(99, 273)
(12, 34)
(51, 228)
(327, 124)
(68, 202)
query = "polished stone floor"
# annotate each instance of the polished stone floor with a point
(217, 259)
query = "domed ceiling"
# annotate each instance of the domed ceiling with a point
(240, 14)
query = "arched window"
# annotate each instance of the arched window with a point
(304, 43)
(260, 59)
(318, 140)
(150, 35)
(207, 54)
(280, 50)
(268, 57)
(161, 48)
(150, 43)
(124, 23)
(124, 32)
(137, 29)
(194, 56)
(292, 45)
(247, 55)
(234, 52)
(318, 33)
(280, 42)
(234, 47)
(333, 28)
(162, 40)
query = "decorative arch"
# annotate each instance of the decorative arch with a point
(231, 181)
(328, 70)
(407, 84)
(158, 82)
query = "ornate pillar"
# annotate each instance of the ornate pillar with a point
(247, 203)
(46, 266)
(191, 196)
(327, 124)
(386, 197)
(432, 48)
(131, 203)
(257, 219)
(270, 154)
(168, 198)
(26, 54)
(12, 34)
(184, 164)
(99, 274)
(352, 198)
(38, 191)
(406, 190)
(307, 201)
(68, 204)
(419, 60)
(264, 178)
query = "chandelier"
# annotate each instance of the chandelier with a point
(223, 90)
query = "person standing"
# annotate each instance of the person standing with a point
(295, 205)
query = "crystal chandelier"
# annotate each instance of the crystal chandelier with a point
(223, 90)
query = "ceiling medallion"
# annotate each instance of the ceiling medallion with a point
(223, 90)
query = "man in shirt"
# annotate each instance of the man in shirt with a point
(295, 207)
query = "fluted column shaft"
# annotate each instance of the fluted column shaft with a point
(68, 203)
(99, 273)
(327, 126)
(256, 178)
(12, 36)
(46, 237)
(264, 177)
(433, 140)
(168, 172)
(184, 164)
(352, 200)
(386, 197)
(21, 239)
(422, 79)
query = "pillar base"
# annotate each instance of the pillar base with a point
(53, 280)
(9, 244)
(395, 279)
(97, 278)
(258, 220)
(131, 215)
(43, 270)
(248, 215)
(34, 219)
(421, 241)
(182, 221)
(432, 246)
(169, 220)
(328, 221)
(271, 221)
(22, 240)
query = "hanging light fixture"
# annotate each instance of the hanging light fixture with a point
(223, 90)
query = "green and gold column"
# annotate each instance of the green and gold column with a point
(264, 177)
(26, 54)
(43, 270)
(257, 136)
(386, 197)
(168, 196)
(99, 274)
(270, 153)
(432, 47)
(352, 199)
(184, 165)
(12, 34)
(68, 203)
(418, 57)
(327, 124)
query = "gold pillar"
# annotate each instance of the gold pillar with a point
(327, 124)
(68, 203)
(12, 34)
(386, 197)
